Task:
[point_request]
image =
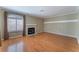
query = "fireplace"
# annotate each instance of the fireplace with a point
(31, 30)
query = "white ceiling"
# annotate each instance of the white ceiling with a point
(46, 11)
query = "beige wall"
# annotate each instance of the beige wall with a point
(78, 27)
(64, 17)
(33, 21)
(1, 22)
(63, 28)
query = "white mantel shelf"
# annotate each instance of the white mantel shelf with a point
(31, 24)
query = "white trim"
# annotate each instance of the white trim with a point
(31, 24)
(73, 36)
(64, 34)
(64, 21)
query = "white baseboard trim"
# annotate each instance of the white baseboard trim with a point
(73, 36)
(63, 34)
(19, 36)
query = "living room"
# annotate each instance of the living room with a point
(39, 28)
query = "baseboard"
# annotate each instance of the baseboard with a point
(16, 36)
(63, 34)
(19, 36)
(72, 36)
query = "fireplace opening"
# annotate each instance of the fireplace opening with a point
(31, 30)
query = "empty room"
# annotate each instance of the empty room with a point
(39, 29)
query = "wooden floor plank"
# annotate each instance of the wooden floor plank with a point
(43, 42)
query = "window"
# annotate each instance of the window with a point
(11, 25)
(15, 23)
(19, 25)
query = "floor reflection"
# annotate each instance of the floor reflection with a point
(14, 45)
(18, 47)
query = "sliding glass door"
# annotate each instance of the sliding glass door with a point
(20, 26)
(15, 25)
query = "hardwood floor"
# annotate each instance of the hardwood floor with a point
(43, 42)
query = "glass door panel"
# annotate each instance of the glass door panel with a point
(15, 25)
(20, 26)
(12, 27)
